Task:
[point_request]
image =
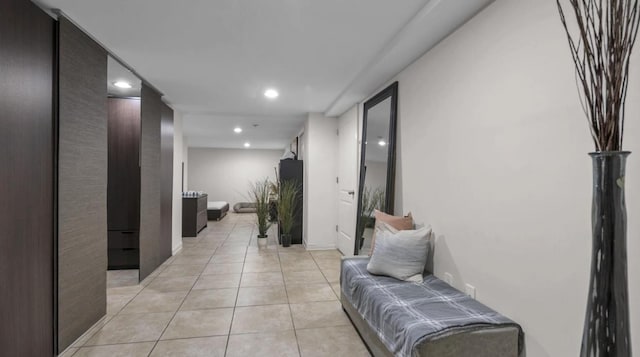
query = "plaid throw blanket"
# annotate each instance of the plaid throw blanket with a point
(405, 314)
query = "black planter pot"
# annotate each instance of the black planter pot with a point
(286, 240)
(606, 326)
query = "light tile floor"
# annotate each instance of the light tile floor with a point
(223, 296)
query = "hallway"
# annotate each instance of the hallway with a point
(222, 296)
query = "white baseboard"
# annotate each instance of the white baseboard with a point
(320, 246)
(177, 249)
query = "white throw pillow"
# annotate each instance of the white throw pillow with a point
(401, 255)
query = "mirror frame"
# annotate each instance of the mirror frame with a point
(390, 92)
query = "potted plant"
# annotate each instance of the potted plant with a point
(287, 209)
(259, 193)
(605, 33)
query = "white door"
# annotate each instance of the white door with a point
(347, 180)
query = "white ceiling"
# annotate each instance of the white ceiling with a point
(272, 132)
(213, 59)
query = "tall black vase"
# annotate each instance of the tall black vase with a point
(606, 326)
(286, 240)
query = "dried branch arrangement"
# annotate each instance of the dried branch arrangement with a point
(606, 33)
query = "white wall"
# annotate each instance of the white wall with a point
(305, 181)
(494, 155)
(225, 174)
(320, 187)
(178, 147)
(185, 159)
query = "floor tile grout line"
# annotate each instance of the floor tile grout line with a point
(325, 277)
(229, 237)
(113, 344)
(233, 312)
(176, 312)
(153, 276)
(286, 291)
(117, 313)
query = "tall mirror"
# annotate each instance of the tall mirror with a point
(377, 163)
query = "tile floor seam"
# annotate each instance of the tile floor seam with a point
(114, 344)
(181, 303)
(233, 312)
(136, 295)
(325, 277)
(227, 239)
(293, 324)
(116, 314)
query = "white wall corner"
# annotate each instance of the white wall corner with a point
(321, 169)
(305, 183)
(177, 249)
(178, 158)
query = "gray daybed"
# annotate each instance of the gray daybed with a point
(216, 210)
(399, 318)
(244, 207)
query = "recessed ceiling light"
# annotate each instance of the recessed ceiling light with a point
(247, 145)
(271, 93)
(122, 84)
(382, 142)
(237, 129)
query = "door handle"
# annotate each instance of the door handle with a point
(351, 192)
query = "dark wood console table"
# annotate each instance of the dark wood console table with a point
(194, 215)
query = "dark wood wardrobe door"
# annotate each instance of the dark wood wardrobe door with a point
(123, 190)
(82, 183)
(150, 217)
(166, 180)
(26, 180)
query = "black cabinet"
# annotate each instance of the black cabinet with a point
(124, 250)
(292, 170)
(194, 215)
(123, 189)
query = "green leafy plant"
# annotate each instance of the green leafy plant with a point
(288, 205)
(372, 199)
(259, 193)
(601, 52)
(273, 190)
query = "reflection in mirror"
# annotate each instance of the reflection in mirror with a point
(377, 167)
(121, 82)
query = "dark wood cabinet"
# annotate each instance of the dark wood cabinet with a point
(27, 181)
(166, 180)
(123, 190)
(124, 250)
(194, 215)
(292, 170)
